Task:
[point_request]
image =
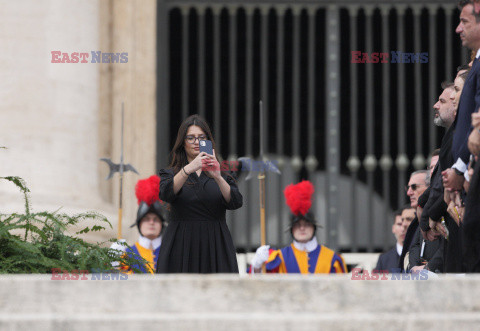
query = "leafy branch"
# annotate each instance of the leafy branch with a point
(46, 242)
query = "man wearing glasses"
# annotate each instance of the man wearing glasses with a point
(417, 184)
(423, 252)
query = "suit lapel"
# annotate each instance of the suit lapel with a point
(474, 68)
(470, 76)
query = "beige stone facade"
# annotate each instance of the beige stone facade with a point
(58, 119)
(232, 302)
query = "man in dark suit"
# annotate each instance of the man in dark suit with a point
(453, 178)
(389, 259)
(417, 185)
(435, 207)
(445, 114)
(471, 223)
(469, 31)
(424, 253)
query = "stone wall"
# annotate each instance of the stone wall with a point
(230, 302)
(58, 119)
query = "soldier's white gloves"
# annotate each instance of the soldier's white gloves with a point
(261, 256)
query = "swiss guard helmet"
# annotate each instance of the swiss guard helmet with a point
(147, 192)
(299, 199)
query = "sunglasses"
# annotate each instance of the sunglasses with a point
(413, 187)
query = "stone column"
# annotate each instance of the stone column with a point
(129, 26)
(57, 119)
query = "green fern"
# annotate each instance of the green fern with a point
(46, 242)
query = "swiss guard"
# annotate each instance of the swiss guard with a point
(152, 218)
(304, 255)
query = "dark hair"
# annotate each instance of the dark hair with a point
(464, 75)
(463, 67)
(178, 156)
(463, 3)
(406, 206)
(435, 152)
(396, 213)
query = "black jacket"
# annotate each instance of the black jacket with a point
(388, 260)
(432, 253)
(471, 224)
(469, 103)
(408, 241)
(435, 207)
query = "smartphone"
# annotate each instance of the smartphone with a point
(206, 146)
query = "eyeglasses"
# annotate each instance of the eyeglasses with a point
(193, 139)
(413, 186)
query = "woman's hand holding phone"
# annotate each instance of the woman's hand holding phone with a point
(197, 163)
(212, 165)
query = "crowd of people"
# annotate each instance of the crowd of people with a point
(444, 234)
(439, 230)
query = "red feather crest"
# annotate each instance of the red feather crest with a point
(299, 197)
(148, 190)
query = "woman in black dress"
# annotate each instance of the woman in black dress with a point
(197, 239)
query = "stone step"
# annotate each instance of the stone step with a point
(221, 302)
(240, 321)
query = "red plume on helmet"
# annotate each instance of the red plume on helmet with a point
(148, 190)
(299, 197)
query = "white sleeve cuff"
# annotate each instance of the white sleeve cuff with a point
(460, 166)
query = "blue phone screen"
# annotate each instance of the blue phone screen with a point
(206, 146)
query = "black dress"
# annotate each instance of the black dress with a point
(197, 240)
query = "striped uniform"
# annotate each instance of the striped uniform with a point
(322, 260)
(149, 255)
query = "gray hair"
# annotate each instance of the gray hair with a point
(424, 172)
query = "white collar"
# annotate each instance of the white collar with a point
(308, 246)
(478, 54)
(399, 249)
(145, 242)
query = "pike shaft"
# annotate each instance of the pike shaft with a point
(261, 180)
(120, 208)
(121, 179)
